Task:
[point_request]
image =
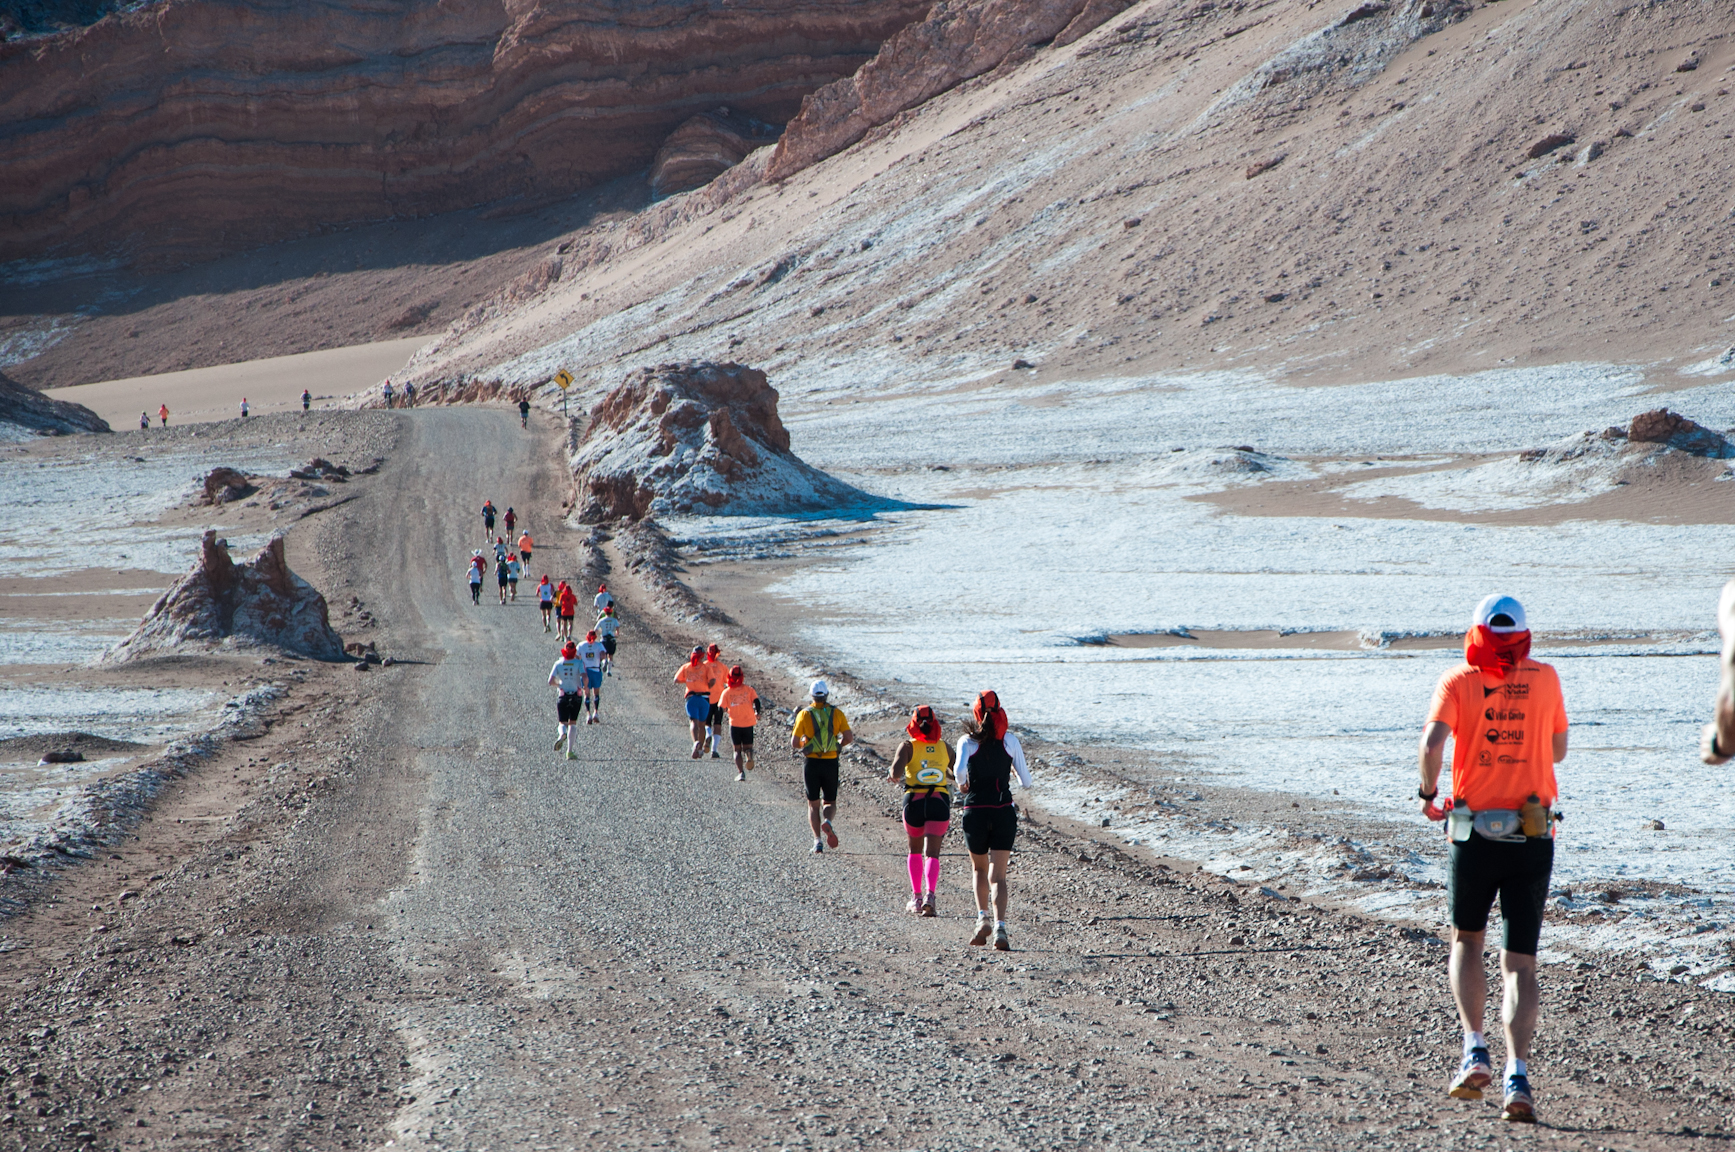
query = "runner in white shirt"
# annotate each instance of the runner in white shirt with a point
(545, 598)
(568, 678)
(514, 570)
(606, 627)
(987, 760)
(604, 598)
(591, 654)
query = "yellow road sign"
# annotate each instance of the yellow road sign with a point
(564, 379)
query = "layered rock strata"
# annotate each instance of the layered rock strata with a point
(704, 148)
(224, 604)
(696, 438)
(958, 40)
(191, 127)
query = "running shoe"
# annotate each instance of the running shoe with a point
(1002, 942)
(1520, 1105)
(830, 836)
(560, 742)
(913, 906)
(749, 761)
(819, 846)
(1475, 1074)
(984, 929)
(740, 775)
(571, 755)
(715, 755)
(927, 908)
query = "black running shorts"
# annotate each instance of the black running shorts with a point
(922, 809)
(1481, 869)
(608, 645)
(567, 707)
(715, 716)
(821, 778)
(990, 829)
(741, 737)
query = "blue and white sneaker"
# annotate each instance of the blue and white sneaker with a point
(1520, 1105)
(1475, 1074)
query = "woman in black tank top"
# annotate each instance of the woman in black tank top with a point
(988, 757)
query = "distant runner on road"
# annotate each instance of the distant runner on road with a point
(590, 653)
(567, 676)
(144, 421)
(163, 415)
(1717, 741)
(565, 608)
(511, 522)
(719, 681)
(524, 413)
(243, 407)
(306, 400)
(387, 390)
(487, 519)
(696, 680)
(545, 600)
(820, 733)
(410, 395)
(604, 597)
(741, 704)
(923, 764)
(1507, 721)
(478, 567)
(987, 758)
(606, 627)
(525, 544)
(514, 570)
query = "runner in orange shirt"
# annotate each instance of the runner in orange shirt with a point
(1507, 722)
(525, 543)
(565, 607)
(741, 705)
(695, 677)
(719, 681)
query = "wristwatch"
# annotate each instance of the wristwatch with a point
(1428, 796)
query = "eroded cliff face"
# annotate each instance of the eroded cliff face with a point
(194, 127)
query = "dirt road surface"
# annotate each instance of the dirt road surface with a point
(400, 920)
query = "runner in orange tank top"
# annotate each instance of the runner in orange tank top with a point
(1505, 716)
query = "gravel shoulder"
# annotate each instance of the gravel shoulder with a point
(398, 917)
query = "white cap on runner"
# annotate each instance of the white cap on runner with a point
(819, 690)
(1498, 605)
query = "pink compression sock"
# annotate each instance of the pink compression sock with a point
(916, 873)
(933, 874)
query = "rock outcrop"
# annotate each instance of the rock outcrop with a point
(186, 128)
(696, 438)
(960, 39)
(704, 148)
(224, 604)
(225, 485)
(27, 412)
(1661, 426)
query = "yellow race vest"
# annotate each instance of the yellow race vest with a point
(927, 767)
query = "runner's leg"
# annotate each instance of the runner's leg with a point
(979, 864)
(813, 819)
(1521, 1003)
(917, 868)
(1469, 980)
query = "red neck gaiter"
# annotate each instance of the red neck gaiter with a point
(1495, 653)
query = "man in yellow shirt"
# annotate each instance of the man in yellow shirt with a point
(821, 732)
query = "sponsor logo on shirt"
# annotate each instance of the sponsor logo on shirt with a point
(1502, 714)
(1505, 735)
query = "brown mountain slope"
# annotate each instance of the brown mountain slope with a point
(186, 128)
(1316, 190)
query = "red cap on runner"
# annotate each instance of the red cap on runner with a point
(737, 677)
(590, 636)
(990, 715)
(570, 650)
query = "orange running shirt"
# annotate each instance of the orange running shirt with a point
(694, 677)
(738, 702)
(568, 602)
(1502, 733)
(719, 679)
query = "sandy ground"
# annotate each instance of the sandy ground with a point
(363, 927)
(273, 384)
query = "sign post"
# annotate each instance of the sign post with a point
(564, 379)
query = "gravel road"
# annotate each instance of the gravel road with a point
(404, 920)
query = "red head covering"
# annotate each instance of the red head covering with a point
(545, 577)
(990, 715)
(608, 611)
(1495, 653)
(737, 677)
(924, 725)
(570, 650)
(591, 636)
(602, 587)
(713, 651)
(698, 656)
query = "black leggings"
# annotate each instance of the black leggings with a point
(1481, 869)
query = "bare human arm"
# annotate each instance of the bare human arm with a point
(902, 760)
(1429, 760)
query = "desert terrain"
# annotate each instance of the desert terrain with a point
(1185, 373)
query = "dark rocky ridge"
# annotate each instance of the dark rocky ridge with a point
(31, 411)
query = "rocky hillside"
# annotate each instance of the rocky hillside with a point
(1312, 191)
(189, 127)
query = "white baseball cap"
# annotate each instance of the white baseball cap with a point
(819, 690)
(1497, 605)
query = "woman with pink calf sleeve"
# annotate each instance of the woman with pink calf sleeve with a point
(924, 765)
